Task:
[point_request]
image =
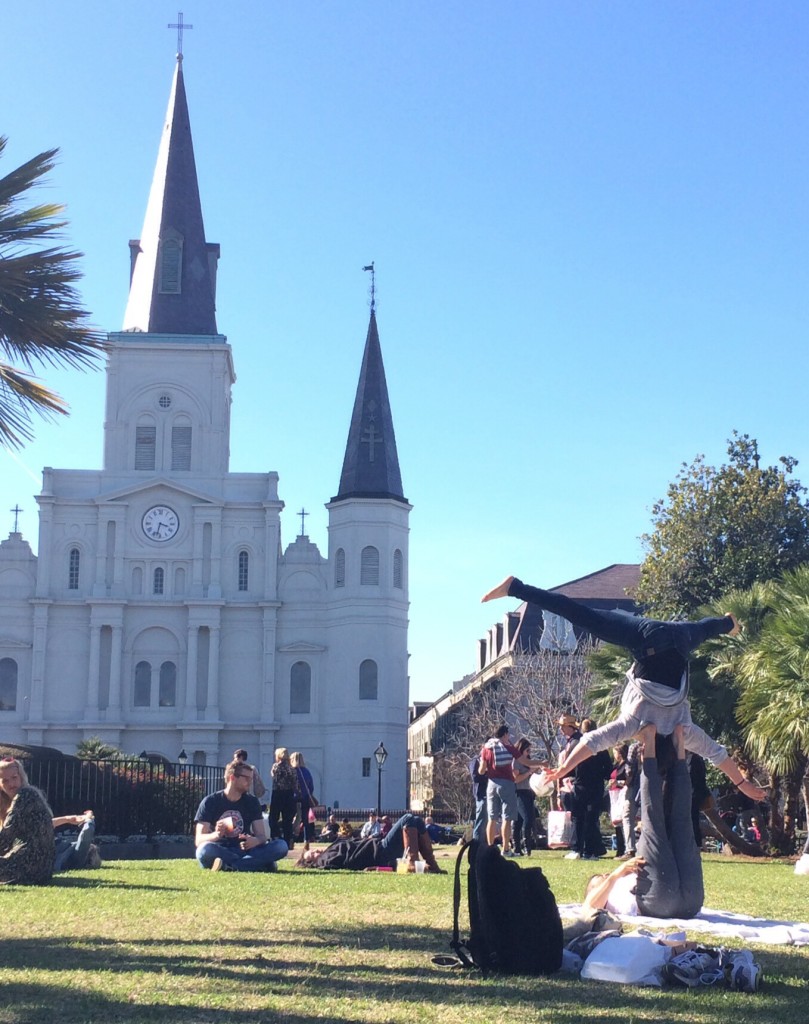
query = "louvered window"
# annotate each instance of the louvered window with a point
(398, 564)
(369, 567)
(145, 443)
(181, 446)
(171, 263)
(340, 568)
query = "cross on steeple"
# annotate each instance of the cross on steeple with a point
(371, 437)
(303, 513)
(179, 25)
(16, 510)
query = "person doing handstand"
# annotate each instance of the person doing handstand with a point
(657, 683)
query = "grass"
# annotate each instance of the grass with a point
(162, 941)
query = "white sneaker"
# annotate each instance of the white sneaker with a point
(573, 855)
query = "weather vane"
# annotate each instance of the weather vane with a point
(179, 25)
(373, 285)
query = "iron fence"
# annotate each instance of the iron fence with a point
(129, 797)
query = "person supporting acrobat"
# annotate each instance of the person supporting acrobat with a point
(657, 683)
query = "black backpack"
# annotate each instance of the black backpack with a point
(514, 922)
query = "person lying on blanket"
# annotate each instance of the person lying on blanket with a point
(657, 683)
(665, 879)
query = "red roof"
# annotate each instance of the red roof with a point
(614, 583)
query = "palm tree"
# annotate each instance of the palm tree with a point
(766, 672)
(774, 703)
(95, 749)
(41, 319)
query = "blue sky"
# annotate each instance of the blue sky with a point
(589, 223)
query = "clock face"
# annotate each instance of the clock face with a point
(160, 523)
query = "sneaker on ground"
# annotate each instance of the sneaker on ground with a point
(218, 864)
(741, 970)
(573, 855)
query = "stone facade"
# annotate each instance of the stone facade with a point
(161, 613)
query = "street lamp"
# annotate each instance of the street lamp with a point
(381, 756)
(182, 757)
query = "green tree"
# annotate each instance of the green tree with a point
(41, 318)
(720, 529)
(95, 749)
(773, 707)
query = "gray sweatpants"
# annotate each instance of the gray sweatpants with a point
(670, 884)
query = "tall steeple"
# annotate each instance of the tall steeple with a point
(173, 271)
(371, 464)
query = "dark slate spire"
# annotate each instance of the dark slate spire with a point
(371, 465)
(173, 274)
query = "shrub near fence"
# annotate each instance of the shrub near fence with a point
(131, 797)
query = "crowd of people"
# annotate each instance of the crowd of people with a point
(646, 782)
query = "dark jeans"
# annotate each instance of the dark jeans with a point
(524, 825)
(308, 827)
(282, 814)
(393, 842)
(637, 634)
(670, 885)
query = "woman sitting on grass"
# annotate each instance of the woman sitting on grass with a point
(406, 839)
(26, 829)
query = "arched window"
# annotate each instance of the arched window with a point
(300, 689)
(158, 581)
(244, 570)
(181, 443)
(398, 569)
(340, 568)
(368, 680)
(8, 684)
(137, 580)
(179, 582)
(145, 445)
(171, 264)
(74, 562)
(143, 685)
(167, 694)
(369, 567)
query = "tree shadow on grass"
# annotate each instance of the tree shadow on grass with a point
(328, 966)
(97, 882)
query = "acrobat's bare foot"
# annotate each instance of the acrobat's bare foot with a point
(678, 739)
(501, 590)
(647, 734)
(736, 624)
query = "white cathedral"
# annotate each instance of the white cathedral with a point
(162, 612)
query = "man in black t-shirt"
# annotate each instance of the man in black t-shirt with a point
(230, 833)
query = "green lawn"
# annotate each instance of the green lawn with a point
(163, 941)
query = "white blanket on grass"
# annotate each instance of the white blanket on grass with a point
(719, 922)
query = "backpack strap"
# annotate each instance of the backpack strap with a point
(456, 944)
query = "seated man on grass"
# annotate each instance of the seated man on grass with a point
(231, 833)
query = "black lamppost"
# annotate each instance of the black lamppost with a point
(381, 756)
(182, 757)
